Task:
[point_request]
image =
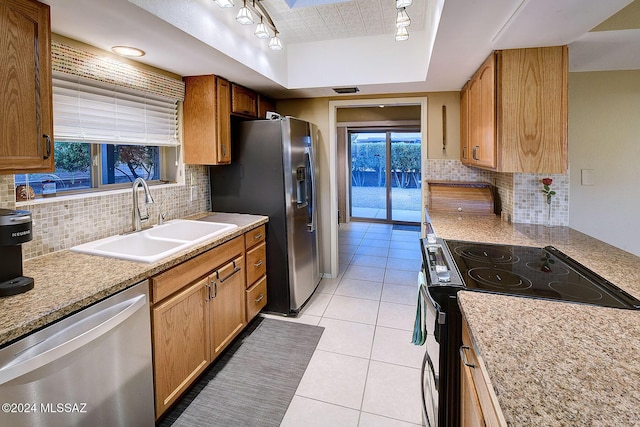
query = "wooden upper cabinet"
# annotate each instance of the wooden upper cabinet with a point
(265, 104)
(207, 120)
(26, 113)
(514, 112)
(244, 101)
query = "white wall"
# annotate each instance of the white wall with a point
(604, 136)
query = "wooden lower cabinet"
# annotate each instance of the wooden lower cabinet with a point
(478, 402)
(180, 342)
(198, 308)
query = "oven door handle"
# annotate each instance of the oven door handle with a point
(434, 381)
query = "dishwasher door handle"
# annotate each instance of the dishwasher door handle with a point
(71, 338)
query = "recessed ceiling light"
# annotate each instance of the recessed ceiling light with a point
(127, 51)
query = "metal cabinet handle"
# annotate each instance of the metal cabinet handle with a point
(475, 151)
(235, 270)
(257, 236)
(258, 264)
(463, 356)
(260, 298)
(47, 146)
(208, 286)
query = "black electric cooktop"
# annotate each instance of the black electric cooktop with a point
(534, 272)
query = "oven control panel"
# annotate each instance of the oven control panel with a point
(438, 264)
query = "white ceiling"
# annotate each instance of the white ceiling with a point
(348, 43)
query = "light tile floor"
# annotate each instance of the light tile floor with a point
(365, 371)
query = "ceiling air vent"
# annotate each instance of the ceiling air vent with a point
(342, 90)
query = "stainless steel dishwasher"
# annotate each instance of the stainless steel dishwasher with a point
(91, 368)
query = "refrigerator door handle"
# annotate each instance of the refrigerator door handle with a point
(311, 189)
(302, 199)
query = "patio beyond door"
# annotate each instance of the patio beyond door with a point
(385, 175)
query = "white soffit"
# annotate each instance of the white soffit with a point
(363, 60)
(552, 22)
(597, 51)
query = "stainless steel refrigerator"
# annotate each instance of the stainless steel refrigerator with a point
(273, 173)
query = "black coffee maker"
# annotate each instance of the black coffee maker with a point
(15, 229)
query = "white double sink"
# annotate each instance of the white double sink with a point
(157, 243)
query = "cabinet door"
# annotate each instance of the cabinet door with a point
(532, 109)
(207, 120)
(464, 125)
(180, 342)
(485, 150)
(223, 115)
(265, 104)
(26, 134)
(470, 409)
(227, 304)
(474, 134)
(244, 101)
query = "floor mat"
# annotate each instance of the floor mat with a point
(406, 227)
(254, 381)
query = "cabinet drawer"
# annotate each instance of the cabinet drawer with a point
(170, 281)
(255, 236)
(256, 298)
(256, 263)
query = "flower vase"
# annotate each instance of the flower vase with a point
(547, 216)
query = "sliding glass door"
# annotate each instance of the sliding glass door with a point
(385, 175)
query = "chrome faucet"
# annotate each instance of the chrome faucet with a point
(136, 218)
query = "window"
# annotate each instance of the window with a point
(106, 136)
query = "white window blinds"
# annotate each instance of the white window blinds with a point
(85, 110)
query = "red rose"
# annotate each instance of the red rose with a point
(547, 181)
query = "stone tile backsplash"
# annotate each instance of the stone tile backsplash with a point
(454, 170)
(59, 225)
(519, 197)
(504, 196)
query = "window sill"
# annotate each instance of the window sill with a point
(82, 196)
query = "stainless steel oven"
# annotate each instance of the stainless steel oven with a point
(450, 266)
(440, 319)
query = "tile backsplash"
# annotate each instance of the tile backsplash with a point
(61, 224)
(530, 204)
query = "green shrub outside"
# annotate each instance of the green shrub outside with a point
(370, 156)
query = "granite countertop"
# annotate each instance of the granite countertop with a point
(555, 363)
(66, 281)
